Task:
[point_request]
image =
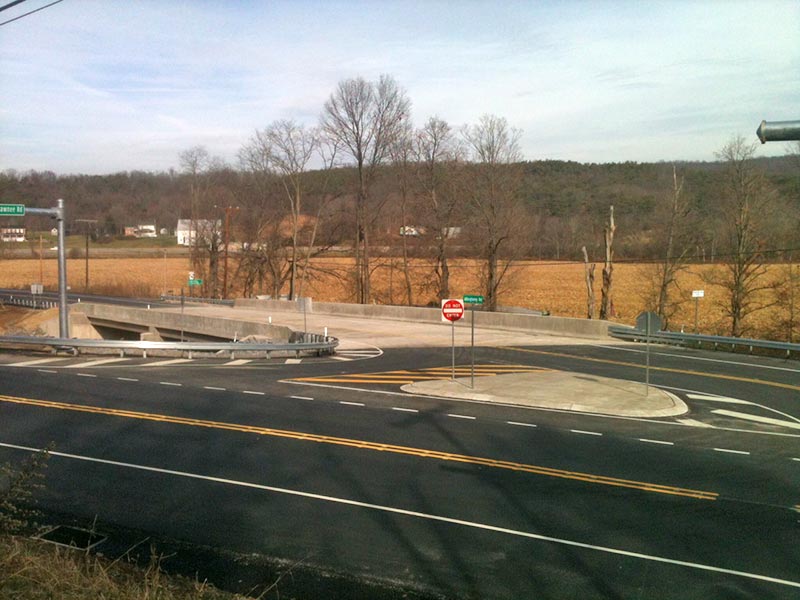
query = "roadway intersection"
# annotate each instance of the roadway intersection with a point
(331, 463)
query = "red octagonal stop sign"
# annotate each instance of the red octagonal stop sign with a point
(452, 309)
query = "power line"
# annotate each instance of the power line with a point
(10, 4)
(27, 13)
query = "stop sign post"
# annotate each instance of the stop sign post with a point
(452, 310)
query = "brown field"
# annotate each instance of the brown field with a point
(556, 287)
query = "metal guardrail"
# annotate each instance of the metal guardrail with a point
(686, 339)
(197, 299)
(29, 302)
(311, 343)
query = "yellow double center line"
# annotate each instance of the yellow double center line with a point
(365, 445)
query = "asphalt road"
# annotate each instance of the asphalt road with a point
(441, 497)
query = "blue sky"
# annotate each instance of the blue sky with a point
(104, 86)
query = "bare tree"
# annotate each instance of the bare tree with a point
(364, 119)
(495, 195)
(606, 302)
(284, 148)
(401, 153)
(589, 277)
(436, 155)
(744, 209)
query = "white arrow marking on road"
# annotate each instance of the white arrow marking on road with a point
(717, 399)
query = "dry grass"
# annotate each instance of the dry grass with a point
(32, 570)
(558, 288)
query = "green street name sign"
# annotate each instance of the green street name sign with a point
(195, 282)
(12, 210)
(473, 299)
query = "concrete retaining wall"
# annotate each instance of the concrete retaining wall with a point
(166, 323)
(564, 326)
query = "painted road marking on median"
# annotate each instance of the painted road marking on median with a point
(756, 418)
(694, 423)
(164, 363)
(623, 363)
(96, 363)
(237, 362)
(419, 515)
(366, 445)
(709, 398)
(40, 361)
(403, 377)
(46, 371)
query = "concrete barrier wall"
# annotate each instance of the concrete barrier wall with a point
(164, 321)
(564, 326)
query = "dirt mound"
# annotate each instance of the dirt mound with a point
(15, 320)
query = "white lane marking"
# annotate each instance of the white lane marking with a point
(340, 358)
(211, 387)
(358, 352)
(170, 383)
(660, 423)
(293, 361)
(85, 375)
(401, 409)
(585, 432)
(767, 408)
(416, 514)
(238, 361)
(797, 459)
(254, 393)
(647, 441)
(702, 358)
(351, 403)
(708, 398)
(164, 363)
(521, 424)
(731, 451)
(127, 379)
(40, 361)
(95, 363)
(301, 397)
(457, 416)
(46, 371)
(694, 423)
(756, 418)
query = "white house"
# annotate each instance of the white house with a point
(188, 230)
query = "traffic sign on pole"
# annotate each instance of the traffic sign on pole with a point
(452, 309)
(12, 210)
(473, 299)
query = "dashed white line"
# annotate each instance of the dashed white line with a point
(340, 358)
(46, 371)
(170, 383)
(293, 361)
(127, 379)
(797, 459)
(731, 451)
(520, 424)
(85, 375)
(647, 441)
(457, 416)
(301, 397)
(254, 393)
(401, 409)
(581, 431)
(211, 387)
(351, 403)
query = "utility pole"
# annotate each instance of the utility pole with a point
(87, 223)
(228, 211)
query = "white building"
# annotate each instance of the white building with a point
(188, 231)
(12, 234)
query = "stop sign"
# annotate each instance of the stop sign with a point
(452, 309)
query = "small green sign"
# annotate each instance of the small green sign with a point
(195, 282)
(12, 210)
(473, 299)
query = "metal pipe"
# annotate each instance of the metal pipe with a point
(63, 317)
(778, 131)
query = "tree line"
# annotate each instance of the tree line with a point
(366, 181)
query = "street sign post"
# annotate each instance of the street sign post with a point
(195, 282)
(472, 300)
(452, 310)
(697, 294)
(12, 210)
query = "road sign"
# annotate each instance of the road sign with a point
(195, 282)
(452, 309)
(12, 210)
(191, 274)
(698, 293)
(473, 299)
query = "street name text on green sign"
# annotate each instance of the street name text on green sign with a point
(12, 210)
(473, 299)
(195, 282)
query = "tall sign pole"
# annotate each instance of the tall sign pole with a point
(472, 300)
(19, 210)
